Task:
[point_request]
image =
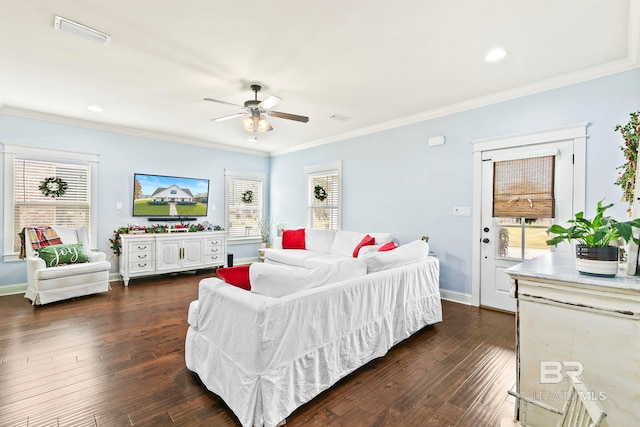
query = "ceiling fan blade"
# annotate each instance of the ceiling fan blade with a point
(270, 102)
(221, 102)
(288, 116)
(223, 118)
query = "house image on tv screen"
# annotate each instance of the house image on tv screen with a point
(161, 196)
(172, 194)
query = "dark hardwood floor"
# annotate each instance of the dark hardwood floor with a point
(117, 359)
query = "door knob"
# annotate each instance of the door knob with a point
(486, 229)
(485, 240)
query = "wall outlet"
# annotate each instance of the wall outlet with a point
(118, 205)
(462, 211)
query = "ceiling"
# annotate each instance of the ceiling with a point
(380, 63)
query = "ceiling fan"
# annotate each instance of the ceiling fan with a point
(255, 110)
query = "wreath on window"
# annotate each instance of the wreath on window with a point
(247, 197)
(320, 193)
(53, 187)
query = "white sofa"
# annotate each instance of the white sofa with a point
(323, 247)
(267, 356)
(50, 284)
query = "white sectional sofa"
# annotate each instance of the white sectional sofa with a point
(267, 356)
(300, 329)
(323, 247)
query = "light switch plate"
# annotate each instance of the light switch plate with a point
(462, 211)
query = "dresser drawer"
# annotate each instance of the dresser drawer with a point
(142, 267)
(214, 246)
(142, 246)
(216, 259)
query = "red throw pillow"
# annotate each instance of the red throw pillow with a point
(293, 239)
(366, 241)
(236, 276)
(387, 247)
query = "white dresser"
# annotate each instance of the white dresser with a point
(570, 322)
(150, 254)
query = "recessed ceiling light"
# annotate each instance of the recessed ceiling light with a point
(95, 108)
(495, 54)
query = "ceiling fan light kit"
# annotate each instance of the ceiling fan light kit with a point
(255, 122)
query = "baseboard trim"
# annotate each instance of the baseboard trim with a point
(245, 261)
(454, 296)
(20, 288)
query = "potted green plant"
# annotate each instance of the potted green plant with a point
(596, 250)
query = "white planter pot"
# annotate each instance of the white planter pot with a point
(598, 261)
(597, 268)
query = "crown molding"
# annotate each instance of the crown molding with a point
(106, 127)
(587, 74)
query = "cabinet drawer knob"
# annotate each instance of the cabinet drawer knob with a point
(142, 256)
(141, 248)
(142, 265)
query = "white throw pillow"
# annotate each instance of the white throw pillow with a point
(275, 280)
(319, 240)
(345, 242)
(415, 251)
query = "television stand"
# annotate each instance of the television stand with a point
(151, 254)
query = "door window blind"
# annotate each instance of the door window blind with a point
(524, 188)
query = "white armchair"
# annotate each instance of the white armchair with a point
(50, 284)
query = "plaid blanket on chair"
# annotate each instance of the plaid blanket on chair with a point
(39, 236)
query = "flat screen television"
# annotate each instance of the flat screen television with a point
(169, 198)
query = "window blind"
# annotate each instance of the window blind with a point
(243, 217)
(523, 188)
(31, 207)
(324, 214)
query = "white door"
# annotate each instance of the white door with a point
(508, 241)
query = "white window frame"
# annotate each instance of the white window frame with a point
(250, 176)
(12, 152)
(329, 168)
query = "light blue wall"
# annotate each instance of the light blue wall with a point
(392, 181)
(120, 156)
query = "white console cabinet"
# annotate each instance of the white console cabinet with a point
(151, 254)
(568, 323)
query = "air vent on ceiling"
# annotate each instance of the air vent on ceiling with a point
(79, 30)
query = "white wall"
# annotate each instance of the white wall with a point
(120, 156)
(392, 181)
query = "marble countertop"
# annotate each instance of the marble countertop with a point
(562, 267)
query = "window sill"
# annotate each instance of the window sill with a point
(243, 241)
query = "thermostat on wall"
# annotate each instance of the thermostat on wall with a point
(436, 140)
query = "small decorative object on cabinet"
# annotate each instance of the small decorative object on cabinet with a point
(595, 253)
(151, 254)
